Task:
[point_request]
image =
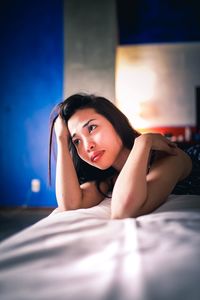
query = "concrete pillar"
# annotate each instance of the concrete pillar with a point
(90, 40)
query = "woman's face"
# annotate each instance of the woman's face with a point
(95, 139)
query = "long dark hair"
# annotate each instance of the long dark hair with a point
(101, 105)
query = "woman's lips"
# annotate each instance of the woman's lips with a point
(97, 155)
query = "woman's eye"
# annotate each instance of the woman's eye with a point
(76, 142)
(91, 127)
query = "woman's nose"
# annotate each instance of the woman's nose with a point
(90, 146)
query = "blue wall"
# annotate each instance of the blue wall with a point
(31, 75)
(156, 21)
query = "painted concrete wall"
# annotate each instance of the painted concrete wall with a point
(90, 44)
(30, 84)
(155, 21)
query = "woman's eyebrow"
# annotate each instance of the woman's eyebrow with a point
(84, 125)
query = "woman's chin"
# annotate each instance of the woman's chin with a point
(102, 167)
(99, 166)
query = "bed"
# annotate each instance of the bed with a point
(83, 254)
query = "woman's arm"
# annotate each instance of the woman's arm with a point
(69, 194)
(136, 192)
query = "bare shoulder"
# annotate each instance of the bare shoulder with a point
(180, 164)
(163, 175)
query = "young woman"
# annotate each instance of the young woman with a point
(99, 153)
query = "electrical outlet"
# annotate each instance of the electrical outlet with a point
(35, 185)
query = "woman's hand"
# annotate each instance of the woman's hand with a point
(60, 128)
(158, 142)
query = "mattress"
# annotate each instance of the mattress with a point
(83, 254)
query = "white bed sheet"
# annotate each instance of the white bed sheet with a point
(83, 254)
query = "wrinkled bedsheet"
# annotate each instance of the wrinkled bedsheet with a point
(83, 254)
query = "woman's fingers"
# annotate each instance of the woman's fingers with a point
(60, 127)
(161, 143)
(171, 147)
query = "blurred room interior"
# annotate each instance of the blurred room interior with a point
(143, 55)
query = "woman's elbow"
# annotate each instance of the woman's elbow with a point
(65, 205)
(127, 208)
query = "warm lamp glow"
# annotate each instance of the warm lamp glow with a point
(152, 88)
(135, 85)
